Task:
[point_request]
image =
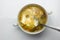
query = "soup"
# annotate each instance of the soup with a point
(29, 15)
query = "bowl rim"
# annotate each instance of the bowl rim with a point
(32, 32)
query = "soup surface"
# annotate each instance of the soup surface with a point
(30, 16)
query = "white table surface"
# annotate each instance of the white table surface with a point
(8, 16)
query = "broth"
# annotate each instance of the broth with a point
(29, 15)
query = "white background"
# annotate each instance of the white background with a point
(9, 10)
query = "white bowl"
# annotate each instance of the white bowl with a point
(37, 32)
